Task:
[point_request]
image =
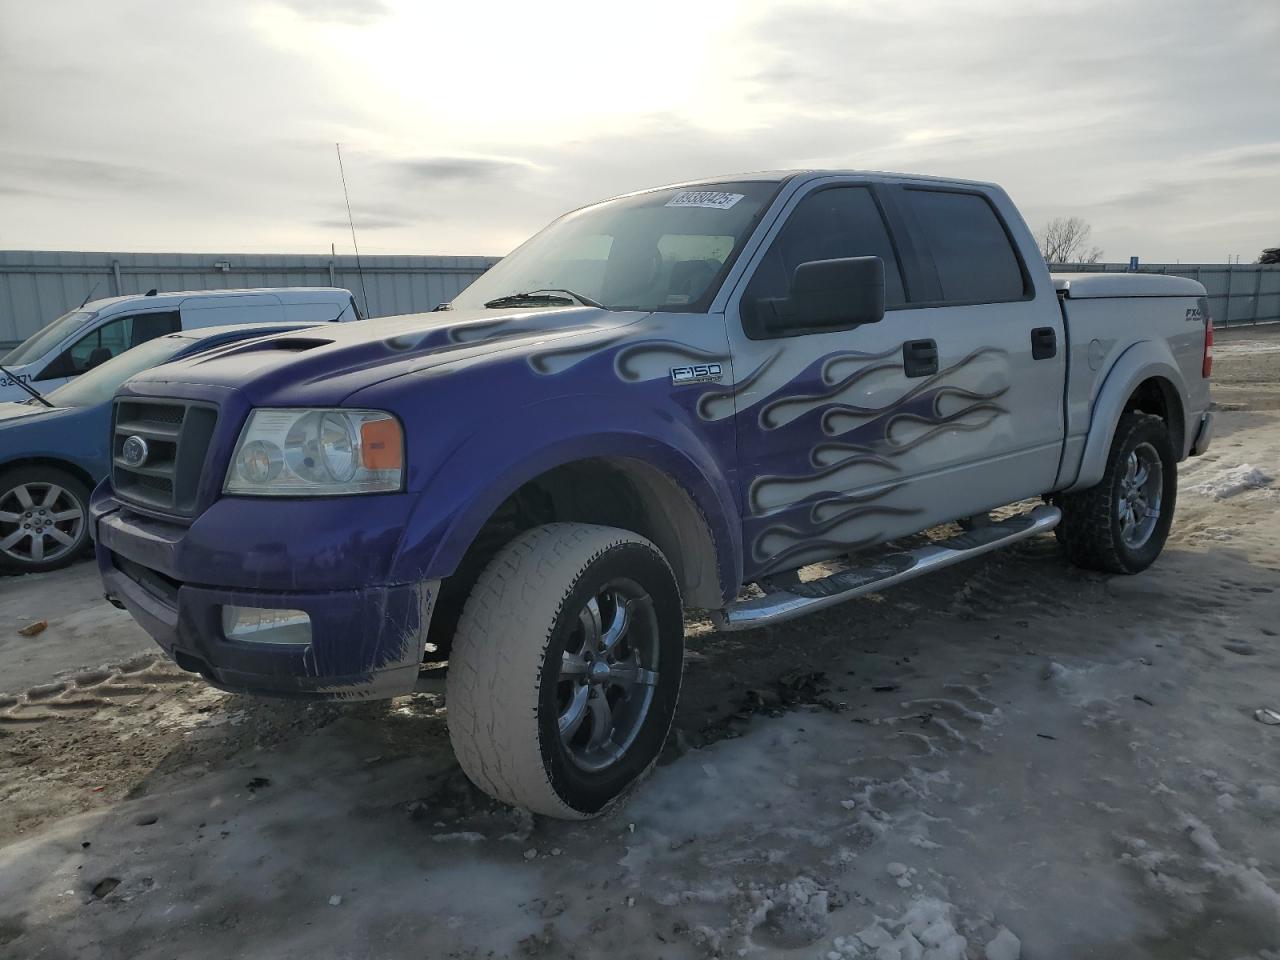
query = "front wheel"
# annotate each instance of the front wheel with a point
(565, 668)
(44, 519)
(1120, 525)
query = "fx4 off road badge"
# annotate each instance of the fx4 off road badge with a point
(697, 373)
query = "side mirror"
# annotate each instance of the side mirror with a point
(827, 295)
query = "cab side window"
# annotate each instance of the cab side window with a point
(828, 224)
(110, 340)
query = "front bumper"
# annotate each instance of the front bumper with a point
(366, 643)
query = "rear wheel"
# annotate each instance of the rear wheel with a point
(44, 519)
(565, 668)
(1121, 524)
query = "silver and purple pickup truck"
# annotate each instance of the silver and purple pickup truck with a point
(675, 398)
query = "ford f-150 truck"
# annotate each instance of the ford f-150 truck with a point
(676, 398)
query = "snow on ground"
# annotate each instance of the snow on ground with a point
(1231, 481)
(1013, 759)
(1234, 348)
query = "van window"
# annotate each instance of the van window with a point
(110, 340)
(974, 258)
(41, 342)
(828, 224)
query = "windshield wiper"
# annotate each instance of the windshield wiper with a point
(35, 394)
(545, 295)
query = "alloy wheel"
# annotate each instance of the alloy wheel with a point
(1141, 491)
(608, 672)
(39, 522)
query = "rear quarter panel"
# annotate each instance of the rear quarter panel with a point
(1106, 335)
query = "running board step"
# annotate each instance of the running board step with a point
(800, 598)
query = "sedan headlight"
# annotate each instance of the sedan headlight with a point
(292, 453)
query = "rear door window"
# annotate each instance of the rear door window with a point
(971, 250)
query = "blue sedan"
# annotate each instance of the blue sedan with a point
(53, 452)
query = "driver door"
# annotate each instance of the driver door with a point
(802, 471)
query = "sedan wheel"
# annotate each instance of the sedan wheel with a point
(43, 521)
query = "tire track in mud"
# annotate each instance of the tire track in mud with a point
(114, 689)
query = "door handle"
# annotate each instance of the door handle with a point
(1044, 343)
(920, 358)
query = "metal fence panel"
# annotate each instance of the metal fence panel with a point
(37, 286)
(1238, 293)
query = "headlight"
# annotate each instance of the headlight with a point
(291, 453)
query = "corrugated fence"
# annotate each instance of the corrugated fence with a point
(1239, 293)
(39, 286)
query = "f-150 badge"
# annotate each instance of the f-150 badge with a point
(697, 373)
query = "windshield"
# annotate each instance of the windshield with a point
(100, 383)
(661, 250)
(45, 339)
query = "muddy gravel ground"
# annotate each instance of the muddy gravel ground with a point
(1011, 758)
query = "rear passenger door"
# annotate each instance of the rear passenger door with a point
(852, 437)
(1001, 338)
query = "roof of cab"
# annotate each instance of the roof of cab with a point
(170, 298)
(778, 176)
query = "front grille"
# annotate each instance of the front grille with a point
(176, 434)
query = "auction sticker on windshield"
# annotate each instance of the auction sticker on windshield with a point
(714, 199)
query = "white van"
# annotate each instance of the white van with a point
(95, 332)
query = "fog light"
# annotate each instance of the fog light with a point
(265, 625)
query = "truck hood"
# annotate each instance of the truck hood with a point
(325, 365)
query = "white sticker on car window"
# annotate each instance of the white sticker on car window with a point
(713, 199)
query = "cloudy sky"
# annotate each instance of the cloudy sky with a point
(185, 126)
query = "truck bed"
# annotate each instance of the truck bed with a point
(1158, 308)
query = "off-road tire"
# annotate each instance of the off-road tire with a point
(74, 488)
(1090, 527)
(506, 660)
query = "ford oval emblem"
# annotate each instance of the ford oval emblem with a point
(134, 452)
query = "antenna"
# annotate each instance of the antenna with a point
(351, 220)
(89, 296)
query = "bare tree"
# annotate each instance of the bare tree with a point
(1066, 239)
(1270, 255)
